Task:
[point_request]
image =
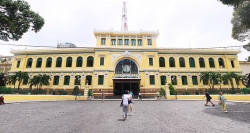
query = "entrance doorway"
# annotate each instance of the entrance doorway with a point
(120, 88)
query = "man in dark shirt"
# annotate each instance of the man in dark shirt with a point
(208, 98)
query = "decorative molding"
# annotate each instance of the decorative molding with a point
(138, 57)
(126, 53)
(114, 56)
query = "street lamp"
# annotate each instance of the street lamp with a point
(174, 82)
(78, 81)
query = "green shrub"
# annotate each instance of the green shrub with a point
(21, 91)
(171, 89)
(62, 92)
(75, 90)
(90, 92)
(162, 92)
(38, 91)
(186, 93)
(245, 91)
(6, 90)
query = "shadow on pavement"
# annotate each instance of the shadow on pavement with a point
(236, 111)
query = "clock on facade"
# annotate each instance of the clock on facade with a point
(126, 68)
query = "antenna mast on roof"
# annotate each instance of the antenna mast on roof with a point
(124, 16)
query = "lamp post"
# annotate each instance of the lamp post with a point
(174, 82)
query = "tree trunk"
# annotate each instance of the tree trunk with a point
(19, 85)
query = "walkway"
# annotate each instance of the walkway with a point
(98, 117)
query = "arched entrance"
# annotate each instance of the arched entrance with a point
(126, 77)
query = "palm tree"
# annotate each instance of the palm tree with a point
(205, 78)
(238, 78)
(213, 76)
(229, 76)
(11, 79)
(39, 80)
(21, 76)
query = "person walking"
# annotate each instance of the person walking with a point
(222, 101)
(103, 96)
(125, 99)
(208, 98)
(157, 95)
(139, 95)
(130, 102)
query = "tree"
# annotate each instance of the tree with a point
(39, 80)
(205, 78)
(240, 20)
(162, 92)
(238, 78)
(171, 89)
(21, 76)
(213, 76)
(16, 18)
(229, 76)
(248, 59)
(11, 79)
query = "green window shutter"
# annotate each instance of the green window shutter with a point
(88, 80)
(163, 80)
(161, 62)
(225, 82)
(191, 62)
(184, 80)
(56, 80)
(101, 61)
(171, 62)
(152, 79)
(100, 80)
(66, 80)
(151, 61)
(18, 64)
(194, 80)
(59, 62)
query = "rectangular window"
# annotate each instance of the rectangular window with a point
(150, 61)
(119, 41)
(101, 61)
(194, 80)
(100, 80)
(163, 80)
(152, 79)
(133, 42)
(66, 80)
(184, 80)
(126, 42)
(56, 80)
(150, 42)
(18, 64)
(139, 42)
(113, 41)
(103, 41)
(232, 63)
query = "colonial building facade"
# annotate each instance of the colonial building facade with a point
(125, 60)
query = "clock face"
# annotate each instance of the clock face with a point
(126, 68)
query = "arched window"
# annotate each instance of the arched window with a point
(184, 80)
(79, 62)
(49, 62)
(161, 62)
(29, 63)
(66, 80)
(182, 62)
(77, 80)
(69, 62)
(39, 62)
(90, 61)
(191, 62)
(171, 62)
(59, 62)
(211, 62)
(194, 80)
(221, 63)
(163, 80)
(201, 62)
(174, 80)
(88, 80)
(56, 80)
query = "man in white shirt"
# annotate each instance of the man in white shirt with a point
(125, 99)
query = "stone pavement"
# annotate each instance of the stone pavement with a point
(98, 117)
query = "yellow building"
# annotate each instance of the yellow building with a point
(5, 64)
(125, 60)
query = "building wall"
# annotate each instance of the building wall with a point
(112, 54)
(245, 67)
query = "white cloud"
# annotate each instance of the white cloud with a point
(182, 23)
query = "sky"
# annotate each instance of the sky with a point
(181, 23)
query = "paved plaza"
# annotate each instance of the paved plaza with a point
(99, 117)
